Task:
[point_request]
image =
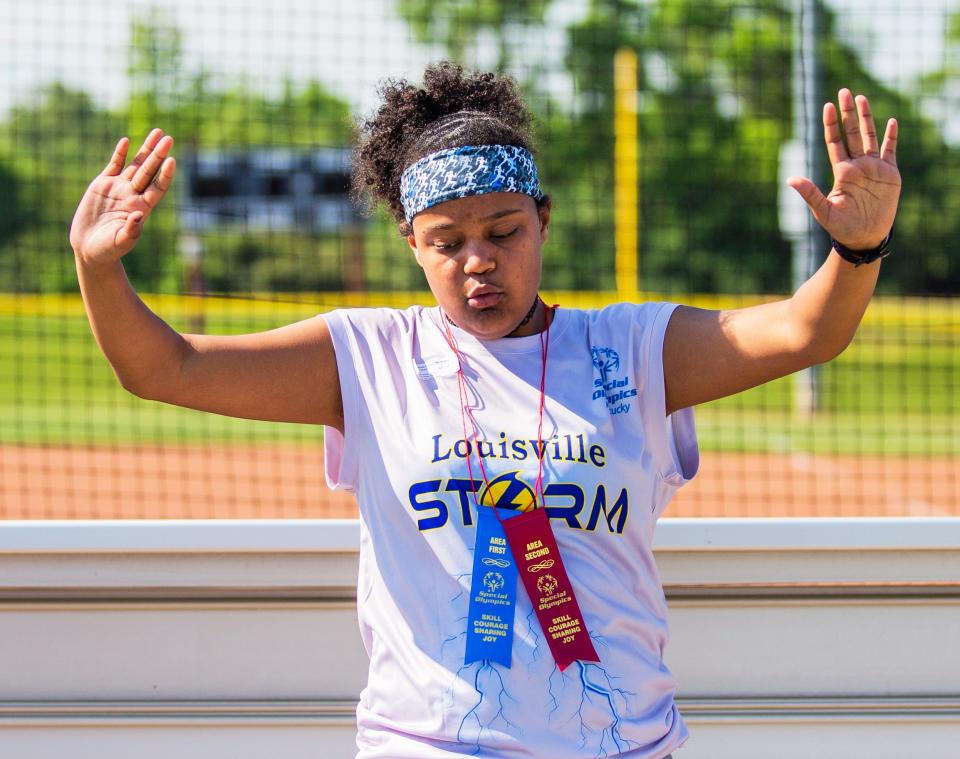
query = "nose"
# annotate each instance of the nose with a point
(479, 257)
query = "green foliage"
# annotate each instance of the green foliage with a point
(715, 108)
(576, 150)
(712, 116)
(51, 147)
(14, 215)
(236, 118)
(458, 23)
(927, 223)
(154, 70)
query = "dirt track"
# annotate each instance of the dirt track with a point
(60, 482)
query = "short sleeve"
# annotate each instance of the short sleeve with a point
(340, 450)
(672, 439)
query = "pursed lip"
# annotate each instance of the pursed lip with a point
(484, 296)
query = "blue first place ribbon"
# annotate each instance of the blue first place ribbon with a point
(493, 591)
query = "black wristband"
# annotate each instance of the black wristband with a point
(858, 257)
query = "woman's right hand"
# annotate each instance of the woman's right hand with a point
(111, 213)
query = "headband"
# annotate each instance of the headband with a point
(467, 170)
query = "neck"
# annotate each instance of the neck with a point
(535, 321)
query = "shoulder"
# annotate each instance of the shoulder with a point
(374, 335)
(384, 321)
(618, 317)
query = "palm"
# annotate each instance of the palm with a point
(860, 209)
(104, 212)
(864, 195)
(108, 220)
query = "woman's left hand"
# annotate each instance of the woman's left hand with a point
(860, 209)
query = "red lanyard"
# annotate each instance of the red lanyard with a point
(466, 411)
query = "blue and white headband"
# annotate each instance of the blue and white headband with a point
(468, 170)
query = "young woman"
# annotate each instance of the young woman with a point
(510, 459)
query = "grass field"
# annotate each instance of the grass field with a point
(893, 391)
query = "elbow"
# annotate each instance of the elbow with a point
(147, 385)
(157, 380)
(820, 349)
(137, 386)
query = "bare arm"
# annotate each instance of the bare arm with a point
(288, 374)
(713, 354)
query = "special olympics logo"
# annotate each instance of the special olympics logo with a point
(493, 581)
(606, 360)
(547, 585)
(540, 566)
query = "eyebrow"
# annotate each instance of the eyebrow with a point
(496, 215)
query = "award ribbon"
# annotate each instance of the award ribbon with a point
(546, 582)
(493, 592)
(509, 543)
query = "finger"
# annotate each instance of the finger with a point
(129, 232)
(851, 124)
(161, 182)
(151, 164)
(868, 132)
(148, 145)
(813, 197)
(888, 151)
(118, 159)
(836, 150)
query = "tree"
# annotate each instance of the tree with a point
(154, 70)
(713, 131)
(458, 24)
(927, 223)
(15, 216)
(240, 120)
(53, 146)
(714, 109)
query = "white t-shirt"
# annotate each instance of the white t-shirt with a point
(613, 460)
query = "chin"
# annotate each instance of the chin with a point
(487, 324)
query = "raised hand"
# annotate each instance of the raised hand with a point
(860, 209)
(111, 213)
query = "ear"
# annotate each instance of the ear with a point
(544, 213)
(412, 242)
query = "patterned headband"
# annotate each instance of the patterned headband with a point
(467, 170)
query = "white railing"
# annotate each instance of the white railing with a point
(790, 638)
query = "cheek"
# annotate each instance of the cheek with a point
(441, 274)
(530, 260)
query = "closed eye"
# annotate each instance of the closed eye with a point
(504, 235)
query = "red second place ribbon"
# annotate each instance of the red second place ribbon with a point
(538, 560)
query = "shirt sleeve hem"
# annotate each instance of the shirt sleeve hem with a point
(339, 449)
(676, 435)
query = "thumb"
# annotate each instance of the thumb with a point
(130, 232)
(811, 195)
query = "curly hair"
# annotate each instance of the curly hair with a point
(453, 108)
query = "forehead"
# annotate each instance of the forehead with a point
(474, 209)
